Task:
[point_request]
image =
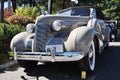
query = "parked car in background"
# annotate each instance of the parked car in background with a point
(112, 25)
(74, 34)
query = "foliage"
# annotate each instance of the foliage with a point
(6, 34)
(19, 20)
(3, 58)
(7, 12)
(23, 16)
(111, 9)
(32, 12)
(11, 54)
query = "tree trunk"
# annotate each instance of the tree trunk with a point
(14, 5)
(33, 2)
(9, 5)
(2, 11)
(30, 2)
(63, 6)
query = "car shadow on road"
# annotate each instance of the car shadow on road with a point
(55, 71)
(107, 68)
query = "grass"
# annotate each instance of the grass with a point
(7, 32)
(4, 58)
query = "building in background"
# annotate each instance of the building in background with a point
(5, 9)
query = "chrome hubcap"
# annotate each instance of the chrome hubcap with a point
(91, 57)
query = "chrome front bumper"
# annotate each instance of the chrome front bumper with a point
(49, 57)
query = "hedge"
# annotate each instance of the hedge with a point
(19, 20)
(7, 32)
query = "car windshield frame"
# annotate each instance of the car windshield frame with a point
(75, 12)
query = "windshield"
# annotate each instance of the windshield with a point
(80, 12)
(76, 12)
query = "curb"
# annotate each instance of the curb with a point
(9, 64)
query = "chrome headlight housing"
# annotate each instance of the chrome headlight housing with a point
(30, 27)
(57, 25)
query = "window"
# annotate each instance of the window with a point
(80, 12)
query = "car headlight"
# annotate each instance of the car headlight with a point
(57, 25)
(30, 27)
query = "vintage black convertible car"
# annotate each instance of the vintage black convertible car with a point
(73, 34)
(112, 25)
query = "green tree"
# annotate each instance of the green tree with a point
(28, 11)
(111, 9)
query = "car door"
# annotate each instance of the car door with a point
(101, 29)
(104, 31)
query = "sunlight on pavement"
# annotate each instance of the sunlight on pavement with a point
(114, 44)
(43, 78)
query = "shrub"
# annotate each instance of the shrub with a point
(32, 12)
(23, 16)
(19, 20)
(3, 58)
(7, 32)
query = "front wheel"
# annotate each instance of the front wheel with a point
(88, 62)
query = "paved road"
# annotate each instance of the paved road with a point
(108, 68)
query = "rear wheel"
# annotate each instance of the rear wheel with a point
(88, 62)
(27, 64)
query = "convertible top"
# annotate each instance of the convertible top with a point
(79, 7)
(82, 11)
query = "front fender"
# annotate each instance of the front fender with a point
(80, 39)
(19, 41)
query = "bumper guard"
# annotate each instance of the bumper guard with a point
(49, 56)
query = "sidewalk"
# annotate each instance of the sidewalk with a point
(9, 64)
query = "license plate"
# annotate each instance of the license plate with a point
(57, 48)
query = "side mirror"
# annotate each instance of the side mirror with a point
(44, 12)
